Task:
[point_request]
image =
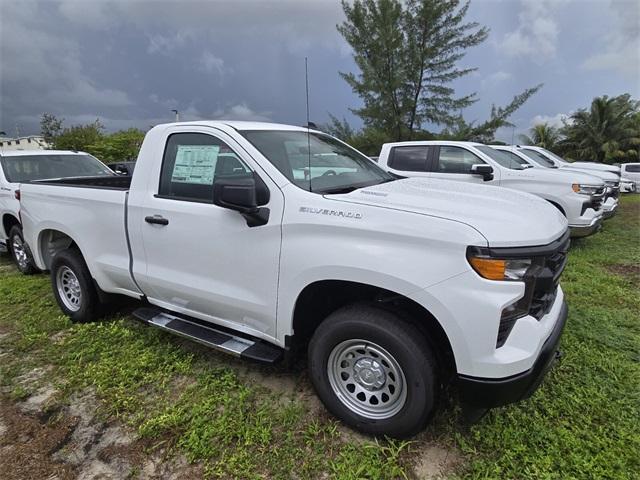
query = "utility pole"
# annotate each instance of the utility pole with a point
(177, 115)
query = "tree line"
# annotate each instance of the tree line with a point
(608, 131)
(407, 55)
(119, 146)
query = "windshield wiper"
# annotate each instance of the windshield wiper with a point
(335, 191)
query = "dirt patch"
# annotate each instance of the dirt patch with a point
(26, 444)
(627, 271)
(435, 461)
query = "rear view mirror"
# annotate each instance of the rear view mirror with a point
(484, 170)
(241, 195)
(236, 194)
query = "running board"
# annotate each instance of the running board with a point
(242, 347)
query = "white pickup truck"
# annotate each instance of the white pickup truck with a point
(609, 174)
(394, 287)
(20, 166)
(577, 195)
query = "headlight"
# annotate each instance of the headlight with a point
(585, 189)
(500, 269)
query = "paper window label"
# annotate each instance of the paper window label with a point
(195, 164)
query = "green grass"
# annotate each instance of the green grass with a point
(582, 423)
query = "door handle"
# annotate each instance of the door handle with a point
(156, 220)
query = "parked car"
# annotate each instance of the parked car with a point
(577, 195)
(123, 168)
(543, 158)
(22, 166)
(393, 286)
(630, 173)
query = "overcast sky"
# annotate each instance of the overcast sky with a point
(130, 62)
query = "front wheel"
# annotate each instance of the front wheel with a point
(20, 252)
(73, 287)
(374, 371)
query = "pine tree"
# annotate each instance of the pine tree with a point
(407, 54)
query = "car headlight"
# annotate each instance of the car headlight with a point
(500, 268)
(611, 183)
(583, 189)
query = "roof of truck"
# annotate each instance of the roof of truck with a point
(18, 153)
(238, 125)
(409, 143)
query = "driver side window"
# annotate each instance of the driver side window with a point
(456, 160)
(192, 162)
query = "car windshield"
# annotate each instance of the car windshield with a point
(502, 158)
(26, 168)
(539, 158)
(317, 162)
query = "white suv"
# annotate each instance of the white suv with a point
(577, 195)
(631, 174)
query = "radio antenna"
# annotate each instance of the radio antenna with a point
(306, 81)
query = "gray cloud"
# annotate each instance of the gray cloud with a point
(131, 62)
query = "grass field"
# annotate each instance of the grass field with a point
(234, 419)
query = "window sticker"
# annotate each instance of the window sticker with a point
(195, 164)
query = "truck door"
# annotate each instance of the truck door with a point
(454, 163)
(195, 257)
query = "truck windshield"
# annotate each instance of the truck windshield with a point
(502, 158)
(552, 155)
(317, 162)
(539, 158)
(26, 168)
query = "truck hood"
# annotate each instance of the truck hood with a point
(503, 216)
(565, 176)
(595, 166)
(604, 175)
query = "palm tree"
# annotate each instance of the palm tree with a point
(542, 135)
(607, 132)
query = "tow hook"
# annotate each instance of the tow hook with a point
(559, 355)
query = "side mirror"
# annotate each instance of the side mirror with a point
(241, 195)
(484, 170)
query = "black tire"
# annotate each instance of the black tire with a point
(88, 307)
(407, 347)
(23, 259)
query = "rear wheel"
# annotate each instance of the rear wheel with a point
(20, 252)
(73, 287)
(374, 371)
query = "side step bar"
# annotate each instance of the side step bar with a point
(253, 349)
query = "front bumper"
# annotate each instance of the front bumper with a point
(489, 392)
(610, 212)
(578, 231)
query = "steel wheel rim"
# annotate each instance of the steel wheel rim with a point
(367, 379)
(69, 288)
(19, 252)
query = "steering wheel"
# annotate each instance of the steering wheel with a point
(328, 173)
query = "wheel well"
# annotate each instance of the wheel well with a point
(558, 207)
(8, 221)
(53, 242)
(320, 299)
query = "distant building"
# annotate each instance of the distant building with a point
(31, 142)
